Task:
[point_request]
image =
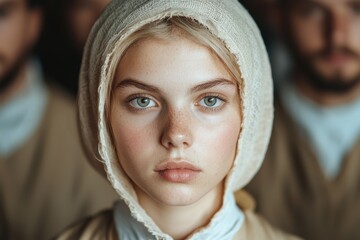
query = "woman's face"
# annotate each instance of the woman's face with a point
(175, 117)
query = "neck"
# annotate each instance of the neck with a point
(180, 221)
(16, 85)
(325, 98)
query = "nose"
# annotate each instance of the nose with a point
(177, 130)
(337, 29)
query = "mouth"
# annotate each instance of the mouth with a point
(337, 59)
(177, 171)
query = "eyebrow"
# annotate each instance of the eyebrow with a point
(350, 2)
(211, 84)
(297, 2)
(128, 82)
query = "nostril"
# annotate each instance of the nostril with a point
(176, 140)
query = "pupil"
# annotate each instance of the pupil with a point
(143, 102)
(210, 101)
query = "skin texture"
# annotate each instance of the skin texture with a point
(19, 29)
(177, 78)
(324, 36)
(82, 14)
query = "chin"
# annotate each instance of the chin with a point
(178, 196)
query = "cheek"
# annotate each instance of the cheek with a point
(11, 40)
(220, 142)
(132, 138)
(355, 37)
(307, 36)
(80, 25)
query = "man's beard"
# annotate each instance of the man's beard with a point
(10, 76)
(337, 83)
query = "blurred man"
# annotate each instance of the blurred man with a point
(80, 16)
(45, 181)
(309, 184)
(68, 23)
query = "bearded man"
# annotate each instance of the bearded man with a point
(309, 183)
(45, 181)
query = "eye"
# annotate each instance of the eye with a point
(142, 102)
(211, 101)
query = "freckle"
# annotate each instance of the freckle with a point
(178, 119)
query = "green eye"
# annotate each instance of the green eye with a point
(142, 102)
(211, 101)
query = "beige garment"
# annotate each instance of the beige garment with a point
(102, 227)
(293, 193)
(47, 184)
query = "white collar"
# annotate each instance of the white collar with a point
(332, 131)
(21, 115)
(224, 225)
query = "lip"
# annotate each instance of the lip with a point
(338, 59)
(179, 171)
(177, 164)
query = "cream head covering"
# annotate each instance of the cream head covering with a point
(227, 20)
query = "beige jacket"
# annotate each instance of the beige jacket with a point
(101, 226)
(47, 184)
(293, 193)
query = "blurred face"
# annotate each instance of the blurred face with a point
(325, 36)
(82, 15)
(18, 30)
(175, 117)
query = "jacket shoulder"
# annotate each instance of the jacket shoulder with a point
(98, 227)
(256, 227)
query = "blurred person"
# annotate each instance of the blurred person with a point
(80, 16)
(45, 181)
(309, 182)
(67, 25)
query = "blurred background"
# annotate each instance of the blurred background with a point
(66, 26)
(309, 182)
(67, 23)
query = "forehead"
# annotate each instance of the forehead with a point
(12, 3)
(153, 53)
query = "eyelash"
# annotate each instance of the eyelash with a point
(212, 109)
(138, 109)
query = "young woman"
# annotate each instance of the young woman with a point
(176, 103)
